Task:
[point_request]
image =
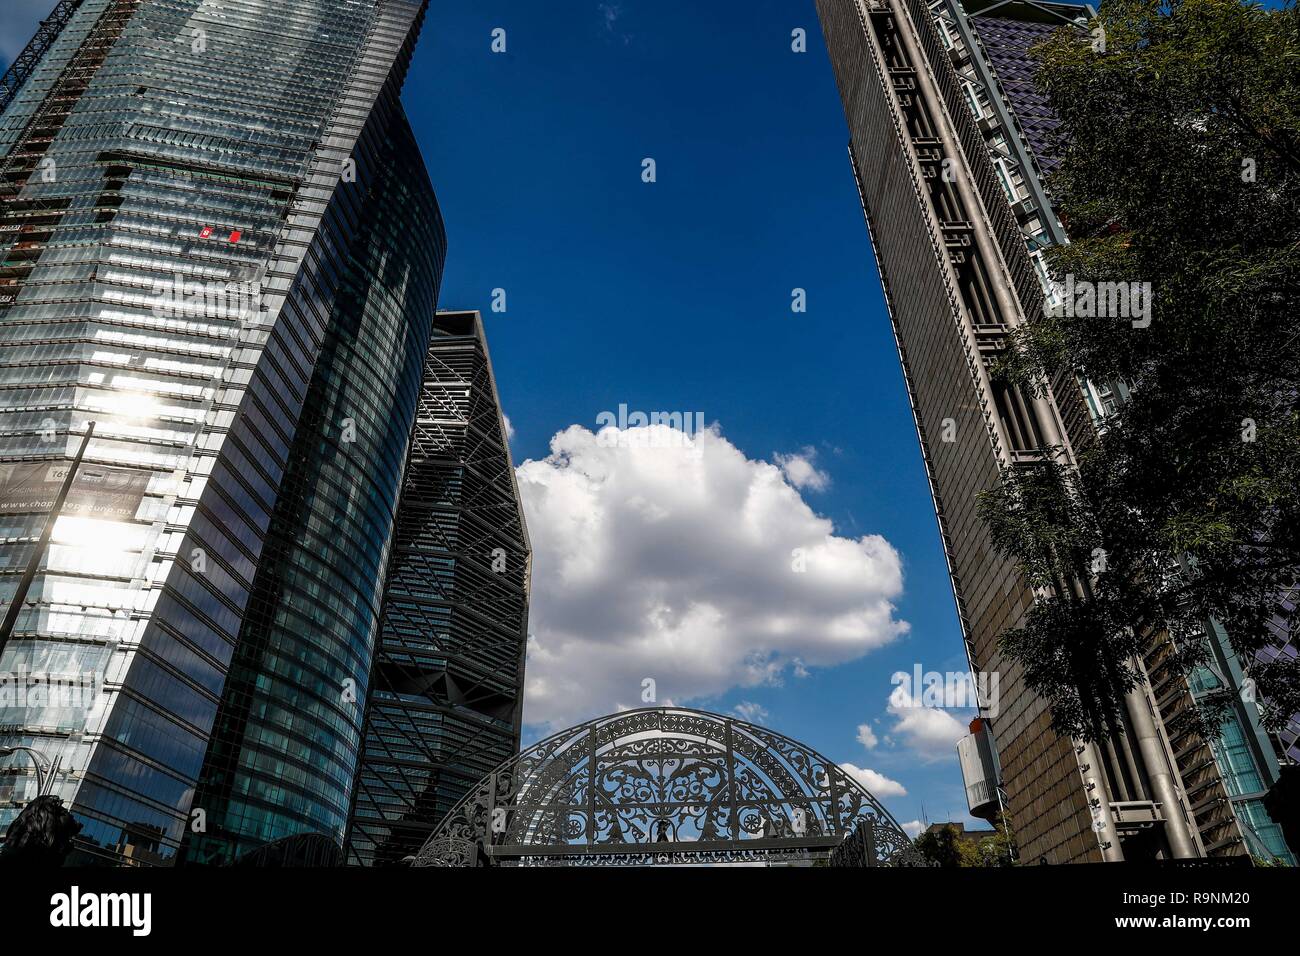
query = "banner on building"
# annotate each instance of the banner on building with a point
(97, 492)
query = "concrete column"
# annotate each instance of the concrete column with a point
(1165, 788)
(1094, 779)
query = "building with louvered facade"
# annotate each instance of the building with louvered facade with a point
(951, 144)
(446, 695)
(219, 264)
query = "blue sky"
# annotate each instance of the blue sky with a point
(676, 295)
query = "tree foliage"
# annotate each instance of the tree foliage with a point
(1180, 150)
(947, 847)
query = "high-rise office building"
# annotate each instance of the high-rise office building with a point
(217, 245)
(951, 142)
(287, 737)
(446, 694)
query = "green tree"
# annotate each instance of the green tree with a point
(945, 846)
(941, 847)
(996, 849)
(1181, 168)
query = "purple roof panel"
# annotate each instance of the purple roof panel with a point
(1007, 44)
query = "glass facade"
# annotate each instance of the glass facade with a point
(164, 274)
(446, 694)
(1242, 752)
(285, 744)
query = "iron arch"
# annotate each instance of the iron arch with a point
(664, 785)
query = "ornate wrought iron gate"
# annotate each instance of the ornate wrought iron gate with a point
(664, 785)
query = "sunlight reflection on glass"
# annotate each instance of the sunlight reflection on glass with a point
(94, 545)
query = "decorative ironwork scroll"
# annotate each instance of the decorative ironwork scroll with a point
(663, 785)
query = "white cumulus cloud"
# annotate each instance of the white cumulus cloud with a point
(878, 784)
(913, 828)
(867, 737)
(749, 711)
(929, 732)
(800, 470)
(667, 559)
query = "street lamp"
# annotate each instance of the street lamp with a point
(45, 769)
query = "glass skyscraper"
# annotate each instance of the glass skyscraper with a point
(446, 695)
(219, 246)
(286, 740)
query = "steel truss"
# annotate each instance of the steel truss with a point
(26, 62)
(444, 705)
